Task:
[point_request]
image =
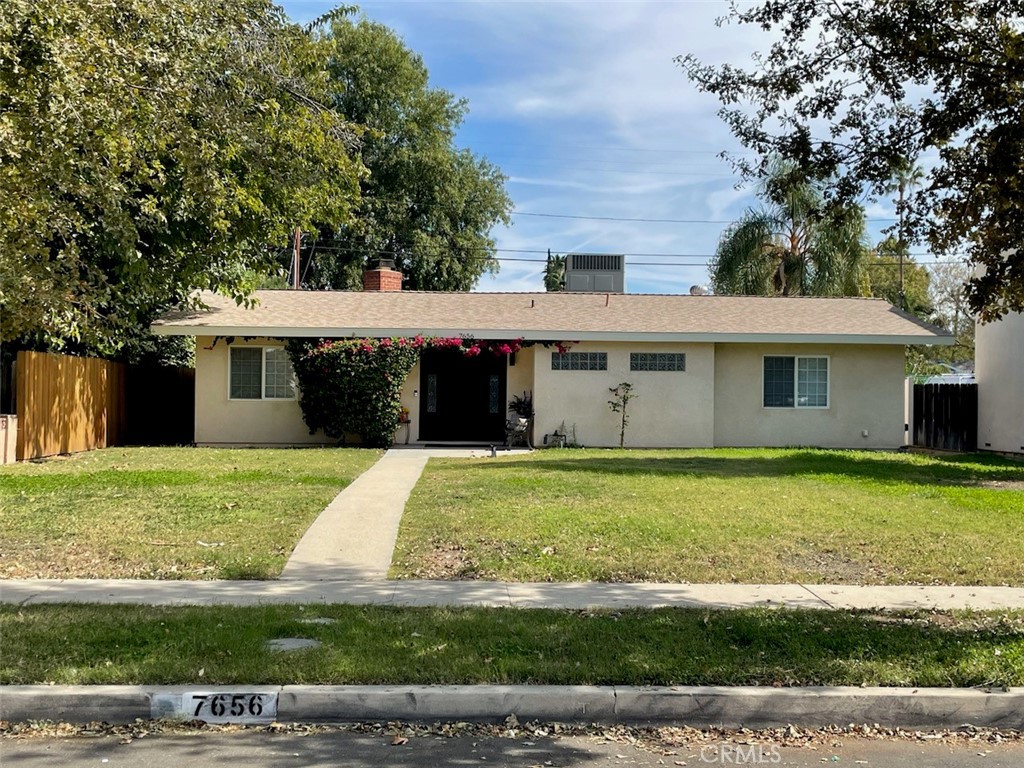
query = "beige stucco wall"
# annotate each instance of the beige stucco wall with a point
(999, 371)
(865, 393)
(520, 375)
(716, 401)
(670, 409)
(221, 421)
(411, 400)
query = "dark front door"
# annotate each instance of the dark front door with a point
(462, 398)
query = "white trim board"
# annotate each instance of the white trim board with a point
(549, 335)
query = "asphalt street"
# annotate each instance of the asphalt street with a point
(353, 750)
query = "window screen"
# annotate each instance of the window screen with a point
(778, 382)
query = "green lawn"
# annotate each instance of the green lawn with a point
(168, 513)
(724, 515)
(90, 644)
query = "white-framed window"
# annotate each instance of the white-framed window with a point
(260, 373)
(795, 381)
(579, 361)
(657, 361)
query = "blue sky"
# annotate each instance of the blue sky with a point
(583, 108)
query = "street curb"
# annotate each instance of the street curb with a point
(698, 706)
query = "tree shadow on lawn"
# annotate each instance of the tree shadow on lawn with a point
(957, 469)
(391, 645)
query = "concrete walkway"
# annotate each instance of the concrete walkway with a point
(508, 595)
(353, 538)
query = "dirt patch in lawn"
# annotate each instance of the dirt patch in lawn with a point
(832, 566)
(447, 561)
(996, 485)
(1003, 485)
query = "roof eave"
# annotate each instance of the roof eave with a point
(551, 335)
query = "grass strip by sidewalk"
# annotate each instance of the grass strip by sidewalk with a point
(752, 516)
(91, 644)
(166, 513)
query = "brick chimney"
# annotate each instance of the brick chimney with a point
(382, 276)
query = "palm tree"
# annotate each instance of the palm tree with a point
(554, 272)
(793, 246)
(906, 175)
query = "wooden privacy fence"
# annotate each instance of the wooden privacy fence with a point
(67, 404)
(946, 416)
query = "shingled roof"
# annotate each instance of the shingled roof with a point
(555, 316)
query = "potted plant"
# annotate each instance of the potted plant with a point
(522, 406)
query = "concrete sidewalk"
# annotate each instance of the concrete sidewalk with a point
(584, 595)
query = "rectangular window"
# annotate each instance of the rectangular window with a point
(246, 363)
(795, 382)
(261, 373)
(812, 382)
(278, 382)
(657, 361)
(579, 361)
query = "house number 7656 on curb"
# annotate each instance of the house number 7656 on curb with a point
(230, 707)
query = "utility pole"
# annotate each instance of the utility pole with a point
(902, 240)
(295, 259)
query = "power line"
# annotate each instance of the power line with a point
(543, 252)
(649, 221)
(665, 151)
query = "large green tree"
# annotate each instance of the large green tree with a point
(149, 148)
(425, 203)
(851, 89)
(794, 245)
(880, 277)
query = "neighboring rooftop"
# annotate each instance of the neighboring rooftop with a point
(555, 317)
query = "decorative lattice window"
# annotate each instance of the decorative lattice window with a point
(657, 361)
(579, 361)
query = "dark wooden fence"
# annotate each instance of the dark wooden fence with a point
(946, 416)
(160, 405)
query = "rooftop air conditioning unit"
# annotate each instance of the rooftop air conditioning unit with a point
(597, 272)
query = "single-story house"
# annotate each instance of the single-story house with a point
(999, 372)
(706, 370)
